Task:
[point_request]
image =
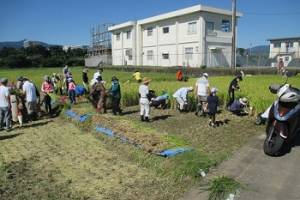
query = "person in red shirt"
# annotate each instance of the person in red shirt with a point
(179, 75)
(47, 88)
(71, 91)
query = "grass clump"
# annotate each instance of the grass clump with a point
(221, 187)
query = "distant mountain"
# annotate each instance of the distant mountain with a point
(259, 50)
(12, 44)
(19, 44)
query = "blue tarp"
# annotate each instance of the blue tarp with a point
(111, 133)
(71, 113)
(84, 117)
(79, 90)
(105, 131)
(173, 152)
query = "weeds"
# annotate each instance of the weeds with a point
(221, 187)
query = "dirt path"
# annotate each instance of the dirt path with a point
(52, 159)
(264, 177)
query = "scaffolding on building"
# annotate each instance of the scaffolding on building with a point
(100, 46)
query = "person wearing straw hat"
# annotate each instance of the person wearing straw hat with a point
(144, 101)
(5, 111)
(181, 97)
(238, 106)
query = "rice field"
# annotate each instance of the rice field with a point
(255, 88)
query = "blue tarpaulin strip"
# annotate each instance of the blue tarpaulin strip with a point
(105, 131)
(173, 152)
(111, 133)
(71, 113)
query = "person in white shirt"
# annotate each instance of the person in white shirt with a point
(5, 111)
(202, 91)
(181, 96)
(144, 101)
(98, 73)
(30, 92)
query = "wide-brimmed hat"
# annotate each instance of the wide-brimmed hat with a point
(85, 70)
(243, 101)
(146, 80)
(205, 74)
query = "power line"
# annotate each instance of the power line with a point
(272, 13)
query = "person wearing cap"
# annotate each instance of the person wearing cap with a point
(71, 91)
(5, 111)
(137, 76)
(144, 101)
(85, 79)
(115, 92)
(181, 96)
(47, 88)
(233, 86)
(31, 98)
(98, 94)
(238, 106)
(202, 91)
(212, 105)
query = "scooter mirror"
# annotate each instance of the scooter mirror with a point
(274, 88)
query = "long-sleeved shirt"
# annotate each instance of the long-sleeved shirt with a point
(181, 93)
(144, 91)
(115, 89)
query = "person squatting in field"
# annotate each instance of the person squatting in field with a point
(181, 97)
(144, 99)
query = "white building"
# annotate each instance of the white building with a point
(194, 36)
(286, 49)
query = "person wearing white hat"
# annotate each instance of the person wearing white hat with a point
(202, 91)
(238, 106)
(181, 96)
(212, 101)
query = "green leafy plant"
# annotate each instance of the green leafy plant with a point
(221, 187)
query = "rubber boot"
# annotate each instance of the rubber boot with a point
(147, 119)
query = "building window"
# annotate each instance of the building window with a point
(277, 44)
(149, 31)
(165, 55)
(128, 53)
(150, 55)
(165, 30)
(225, 27)
(128, 34)
(188, 52)
(118, 36)
(286, 58)
(210, 27)
(192, 28)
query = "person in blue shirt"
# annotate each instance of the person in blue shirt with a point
(115, 92)
(238, 107)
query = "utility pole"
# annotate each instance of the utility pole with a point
(233, 47)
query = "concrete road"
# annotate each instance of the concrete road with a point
(264, 177)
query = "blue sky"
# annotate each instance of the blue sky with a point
(69, 21)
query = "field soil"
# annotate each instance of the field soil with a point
(55, 159)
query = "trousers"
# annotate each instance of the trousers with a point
(144, 107)
(5, 116)
(181, 102)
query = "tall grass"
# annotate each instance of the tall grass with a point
(255, 88)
